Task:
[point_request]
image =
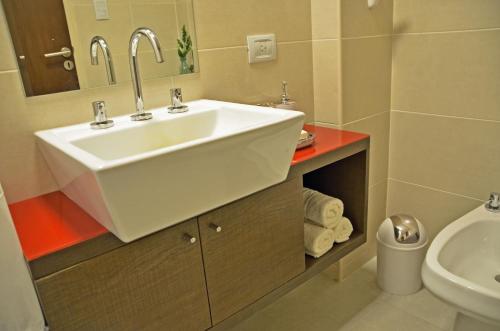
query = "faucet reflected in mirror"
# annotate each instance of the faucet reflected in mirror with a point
(100, 42)
(140, 114)
(73, 23)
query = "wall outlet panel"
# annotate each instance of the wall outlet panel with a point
(101, 10)
(261, 48)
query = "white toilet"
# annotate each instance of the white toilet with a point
(19, 307)
(462, 267)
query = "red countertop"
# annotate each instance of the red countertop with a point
(52, 222)
(327, 140)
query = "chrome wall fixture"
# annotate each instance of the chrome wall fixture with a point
(140, 114)
(100, 42)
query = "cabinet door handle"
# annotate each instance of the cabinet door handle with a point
(215, 227)
(189, 238)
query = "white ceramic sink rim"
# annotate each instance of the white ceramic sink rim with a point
(137, 178)
(64, 138)
(444, 282)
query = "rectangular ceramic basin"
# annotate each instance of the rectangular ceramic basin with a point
(140, 177)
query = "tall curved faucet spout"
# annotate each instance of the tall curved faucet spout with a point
(140, 115)
(95, 43)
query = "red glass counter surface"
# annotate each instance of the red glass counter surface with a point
(52, 222)
(327, 140)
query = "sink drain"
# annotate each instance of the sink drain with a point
(497, 278)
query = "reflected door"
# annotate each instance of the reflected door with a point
(43, 47)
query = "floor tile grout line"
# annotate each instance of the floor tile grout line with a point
(426, 321)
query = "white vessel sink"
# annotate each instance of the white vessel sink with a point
(140, 177)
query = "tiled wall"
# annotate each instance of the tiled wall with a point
(352, 90)
(445, 119)
(325, 19)
(222, 26)
(366, 93)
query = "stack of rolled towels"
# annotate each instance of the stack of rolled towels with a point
(324, 223)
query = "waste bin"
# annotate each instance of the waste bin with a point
(401, 247)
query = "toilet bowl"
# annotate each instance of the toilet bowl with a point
(462, 267)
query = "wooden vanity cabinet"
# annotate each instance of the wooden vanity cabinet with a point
(166, 282)
(156, 283)
(252, 246)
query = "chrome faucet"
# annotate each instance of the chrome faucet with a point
(96, 42)
(140, 115)
(493, 204)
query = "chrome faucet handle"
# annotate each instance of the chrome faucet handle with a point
(100, 117)
(176, 101)
(493, 204)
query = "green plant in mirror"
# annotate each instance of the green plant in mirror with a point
(185, 48)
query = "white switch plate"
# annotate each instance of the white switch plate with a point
(261, 48)
(101, 10)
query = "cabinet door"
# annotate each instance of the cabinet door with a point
(155, 283)
(252, 246)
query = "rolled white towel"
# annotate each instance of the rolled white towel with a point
(343, 231)
(317, 240)
(322, 209)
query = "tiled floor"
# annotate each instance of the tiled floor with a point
(322, 304)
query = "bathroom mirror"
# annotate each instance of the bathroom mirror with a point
(52, 38)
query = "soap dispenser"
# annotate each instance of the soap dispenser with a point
(285, 102)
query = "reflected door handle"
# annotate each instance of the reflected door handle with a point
(64, 52)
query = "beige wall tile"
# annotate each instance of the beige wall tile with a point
(445, 15)
(358, 20)
(226, 75)
(7, 56)
(433, 208)
(451, 154)
(448, 73)
(225, 23)
(325, 19)
(366, 77)
(376, 215)
(326, 75)
(378, 129)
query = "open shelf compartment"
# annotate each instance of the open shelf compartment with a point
(345, 179)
